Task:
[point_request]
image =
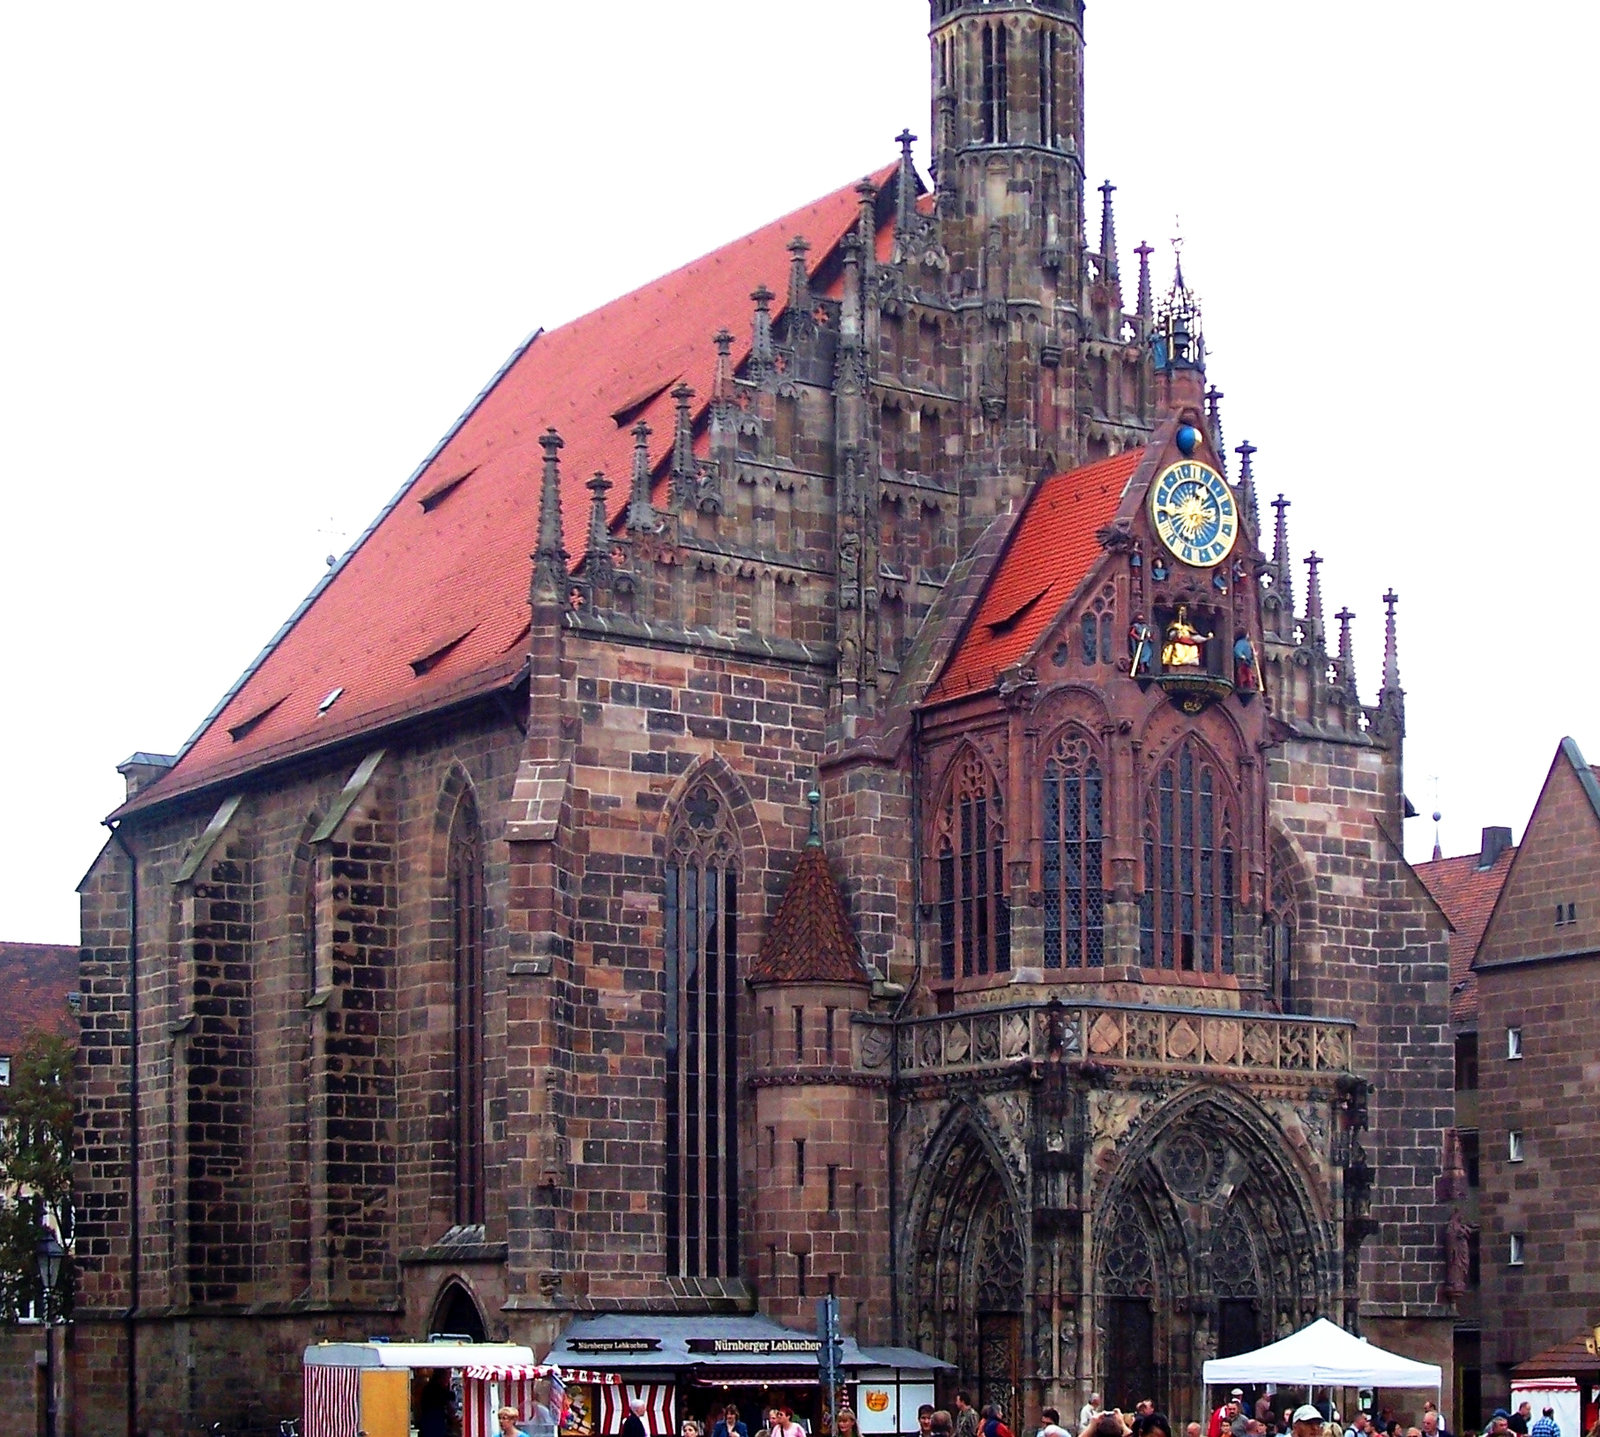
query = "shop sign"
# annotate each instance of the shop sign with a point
(755, 1346)
(590, 1346)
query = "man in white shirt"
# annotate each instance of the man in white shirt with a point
(1089, 1411)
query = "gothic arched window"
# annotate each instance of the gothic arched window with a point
(700, 909)
(1278, 979)
(1186, 914)
(995, 116)
(969, 844)
(464, 882)
(1073, 816)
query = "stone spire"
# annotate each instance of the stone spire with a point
(1247, 485)
(761, 352)
(1282, 569)
(867, 224)
(1214, 398)
(1391, 649)
(1108, 240)
(1347, 654)
(597, 565)
(905, 209)
(1146, 305)
(641, 515)
(685, 477)
(550, 557)
(1314, 627)
(799, 284)
(722, 376)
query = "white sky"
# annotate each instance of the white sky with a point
(256, 259)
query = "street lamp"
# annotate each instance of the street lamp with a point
(49, 1254)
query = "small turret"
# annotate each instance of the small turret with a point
(1313, 615)
(550, 557)
(641, 514)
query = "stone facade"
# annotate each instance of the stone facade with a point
(454, 1019)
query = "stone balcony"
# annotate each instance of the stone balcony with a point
(993, 1041)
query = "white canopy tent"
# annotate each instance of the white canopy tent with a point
(1323, 1355)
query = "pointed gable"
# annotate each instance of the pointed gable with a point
(1051, 552)
(810, 939)
(1467, 893)
(1549, 906)
(430, 606)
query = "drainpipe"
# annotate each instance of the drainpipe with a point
(130, 1327)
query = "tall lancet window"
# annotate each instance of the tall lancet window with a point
(701, 903)
(1073, 814)
(969, 848)
(1190, 884)
(465, 884)
(995, 119)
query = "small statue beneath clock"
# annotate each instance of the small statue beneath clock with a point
(1141, 648)
(1185, 644)
(1246, 677)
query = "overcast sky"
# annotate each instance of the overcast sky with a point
(256, 259)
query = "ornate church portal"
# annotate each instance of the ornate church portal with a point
(1207, 1235)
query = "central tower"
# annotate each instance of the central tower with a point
(1056, 374)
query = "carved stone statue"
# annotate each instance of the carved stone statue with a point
(1141, 647)
(1458, 1233)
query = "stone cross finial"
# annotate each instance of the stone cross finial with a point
(641, 516)
(550, 557)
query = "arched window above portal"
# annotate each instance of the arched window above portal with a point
(968, 848)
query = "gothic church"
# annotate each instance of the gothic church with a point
(820, 783)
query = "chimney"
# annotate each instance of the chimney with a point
(1495, 842)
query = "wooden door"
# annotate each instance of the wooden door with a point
(1000, 1363)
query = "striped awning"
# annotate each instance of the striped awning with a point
(523, 1372)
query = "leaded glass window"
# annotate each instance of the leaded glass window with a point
(1073, 831)
(700, 934)
(1186, 913)
(969, 851)
(464, 882)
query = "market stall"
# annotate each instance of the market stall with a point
(1566, 1378)
(535, 1388)
(682, 1367)
(374, 1387)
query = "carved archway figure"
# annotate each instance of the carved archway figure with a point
(969, 1266)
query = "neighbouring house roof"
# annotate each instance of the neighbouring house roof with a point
(810, 939)
(1467, 894)
(430, 607)
(36, 979)
(1576, 1358)
(1051, 551)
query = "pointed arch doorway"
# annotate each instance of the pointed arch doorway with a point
(969, 1270)
(456, 1311)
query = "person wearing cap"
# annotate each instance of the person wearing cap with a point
(1306, 1421)
(1224, 1415)
(1499, 1424)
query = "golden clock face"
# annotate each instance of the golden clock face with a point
(1194, 512)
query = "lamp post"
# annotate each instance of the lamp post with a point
(49, 1254)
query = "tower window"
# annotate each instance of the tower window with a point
(799, 1162)
(969, 844)
(1186, 914)
(799, 1034)
(833, 1188)
(1513, 1043)
(465, 884)
(1072, 835)
(1049, 122)
(700, 932)
(1514, 1146)
(995, 41)
(1514, 1255)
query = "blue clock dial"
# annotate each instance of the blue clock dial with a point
(1195, 513)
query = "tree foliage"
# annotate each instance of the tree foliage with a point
(35, 1173)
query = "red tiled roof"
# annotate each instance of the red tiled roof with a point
(810, 940)
(445, 588)
(1467, 894)
(36, 979)
(1052, 550)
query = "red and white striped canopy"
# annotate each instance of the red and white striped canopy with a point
(522, 1372)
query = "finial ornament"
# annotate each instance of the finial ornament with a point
(1313, 562)
(814, 798)
(641, 515)
(1347, 658)
(550, 557)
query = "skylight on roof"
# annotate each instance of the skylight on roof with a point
(331, 700)
(440, 492)
(247, 726)
(436, 655)
(630, 409)
(1007, 622)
